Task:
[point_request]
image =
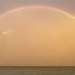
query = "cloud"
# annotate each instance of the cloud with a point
(8, 31)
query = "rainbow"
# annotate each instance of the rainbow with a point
(45, 7)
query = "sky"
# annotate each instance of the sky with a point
(65, 5)
(38, 36)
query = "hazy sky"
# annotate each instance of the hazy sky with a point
(37, 36)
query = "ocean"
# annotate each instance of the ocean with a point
(26, 70)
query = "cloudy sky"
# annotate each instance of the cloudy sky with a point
(65, 5)
(38, 36)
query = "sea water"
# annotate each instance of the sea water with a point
(37, 70)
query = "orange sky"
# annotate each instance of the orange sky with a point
(37, 37)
